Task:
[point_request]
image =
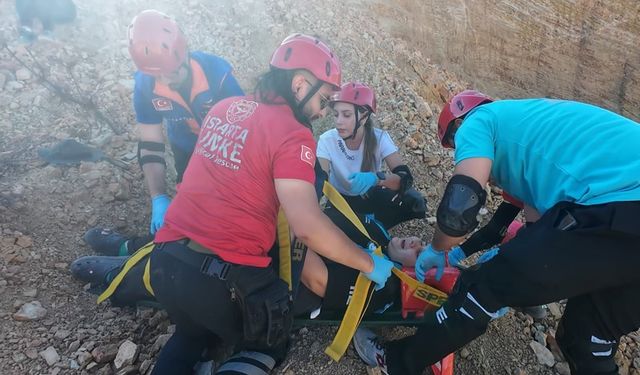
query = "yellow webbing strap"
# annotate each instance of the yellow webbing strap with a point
(361, 294)
(284, 243)
(132, 261)
(146, 277)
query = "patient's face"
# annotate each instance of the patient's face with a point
(406, 243)
(405, 250)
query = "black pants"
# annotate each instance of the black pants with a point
(201, 306)
(49, 12)
(588, 254)
(381, 203)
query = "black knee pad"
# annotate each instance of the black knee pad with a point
(587, 354)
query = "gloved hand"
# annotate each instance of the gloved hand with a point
(428, 259)
(361, 182)
(488, 255)
(381, 270)
(159, 205)
(455, 256)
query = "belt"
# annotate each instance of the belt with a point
(202, 258)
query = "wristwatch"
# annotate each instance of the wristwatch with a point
(381, 177)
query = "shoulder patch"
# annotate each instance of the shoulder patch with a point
(307, 156)
(162, 104)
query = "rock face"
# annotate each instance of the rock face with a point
(575, 49)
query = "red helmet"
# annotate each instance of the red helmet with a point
(356, 93)
(457, 107)
(299, 51)
(156, 43)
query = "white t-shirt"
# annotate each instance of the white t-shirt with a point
(343, 161)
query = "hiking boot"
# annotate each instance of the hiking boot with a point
(97, 270)
(369, 349)
(106, 241)
(536, 312)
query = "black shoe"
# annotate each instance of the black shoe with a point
(97, 270)
(536, 312)
(106, 241)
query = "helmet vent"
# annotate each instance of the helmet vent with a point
(287, 55)
(327, 68)
(146, 51)
(164, 45)
(460, 105)
(166, 30)
(357, 95)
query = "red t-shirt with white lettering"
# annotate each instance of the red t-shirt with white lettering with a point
(227, 200)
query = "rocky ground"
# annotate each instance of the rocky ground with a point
(49, 324)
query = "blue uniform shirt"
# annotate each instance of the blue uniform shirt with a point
(154, 102)
(547, 151)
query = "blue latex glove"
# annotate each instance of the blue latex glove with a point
(455, 256)
(488, 255)
(159, 205)
(428, 259)
(381, 270)
(361, 182)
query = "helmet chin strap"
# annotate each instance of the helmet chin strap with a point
(355, 129)
(298, 107)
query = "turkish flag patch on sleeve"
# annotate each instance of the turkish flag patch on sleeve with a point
(307, 156)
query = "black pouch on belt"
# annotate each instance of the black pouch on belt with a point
(266, 306)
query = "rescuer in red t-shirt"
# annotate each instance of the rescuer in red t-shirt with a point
(210, 267)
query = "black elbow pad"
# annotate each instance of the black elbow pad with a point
(463, 198)
(151, 146)
(406, 179)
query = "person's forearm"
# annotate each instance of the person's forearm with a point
(442, 242)
(154, 175)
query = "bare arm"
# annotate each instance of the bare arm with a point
(154, 173)
(314, 229)
(477, 168)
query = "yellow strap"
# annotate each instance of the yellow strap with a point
(361, 295)
(146, 277)
(284, 243)
(132, 261)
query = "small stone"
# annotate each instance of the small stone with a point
(105, 353)
(127, 354)
(161, 340)
(544, 355)
(91, 365)
(30, 292)
(62, 334)
(129, 370)
(18, 357)
(562, 368)
(23, 74)
(84, 358)
(61, 266)
(24, 241)
(30, 311)
(50, 355)
(74, 346)
(32, 353)
(146, 364)
(554, 308)
(431, 220)
(464, 353)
